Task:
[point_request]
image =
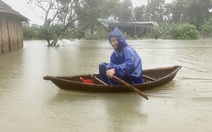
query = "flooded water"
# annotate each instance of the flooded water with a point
(29, 103)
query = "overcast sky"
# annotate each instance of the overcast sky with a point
(22, 7)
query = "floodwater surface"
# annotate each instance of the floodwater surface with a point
(29, 103)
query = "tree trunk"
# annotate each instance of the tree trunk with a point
(48, 41)
(54, 42)
(92, 29)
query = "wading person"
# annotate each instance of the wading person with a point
(125, 63)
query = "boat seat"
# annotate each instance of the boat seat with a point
(148, 78)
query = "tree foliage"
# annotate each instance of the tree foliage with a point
(187, 31)
(72, 15)
(155, 10)
(32, 32)
(192, 11)
(139, 13)
(183, 31)
(56, 11)
(125, 11)
(206, 28)
(72, 18)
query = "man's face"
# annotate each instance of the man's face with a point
(114, 42)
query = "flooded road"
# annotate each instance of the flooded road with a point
(29, 103)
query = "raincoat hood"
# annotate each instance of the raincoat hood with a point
(120, 37)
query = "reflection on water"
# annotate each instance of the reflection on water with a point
(28, 103)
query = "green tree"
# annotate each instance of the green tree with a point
(178, 11)
(93, 9)
(32, 32)
(125, 11)
(139, 13)
(155, 10)
(71, 15)
(206, 28)
(167, 15)
(192, 11)
(57, 11)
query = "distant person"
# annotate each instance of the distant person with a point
(125, 63)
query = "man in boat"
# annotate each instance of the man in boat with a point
(125, 63)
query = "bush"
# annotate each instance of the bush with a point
(187, 31)
(31, 32)
(168, 30)
(176, 31)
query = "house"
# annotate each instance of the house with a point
(138, 29)
(11, 35)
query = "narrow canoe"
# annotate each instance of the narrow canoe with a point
(152, 78)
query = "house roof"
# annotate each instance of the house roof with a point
(105, 22)
(4, 8)
(110, 23)
(132, 24)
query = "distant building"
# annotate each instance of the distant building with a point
(11, 35)
(132, 29)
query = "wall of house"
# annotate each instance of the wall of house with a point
(11, 37)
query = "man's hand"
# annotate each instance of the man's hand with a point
(110, 73)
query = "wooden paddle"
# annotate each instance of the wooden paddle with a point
(130, 86)
(100, 80)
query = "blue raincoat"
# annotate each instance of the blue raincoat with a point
(125, 61)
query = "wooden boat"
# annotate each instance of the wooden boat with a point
(152, 78)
